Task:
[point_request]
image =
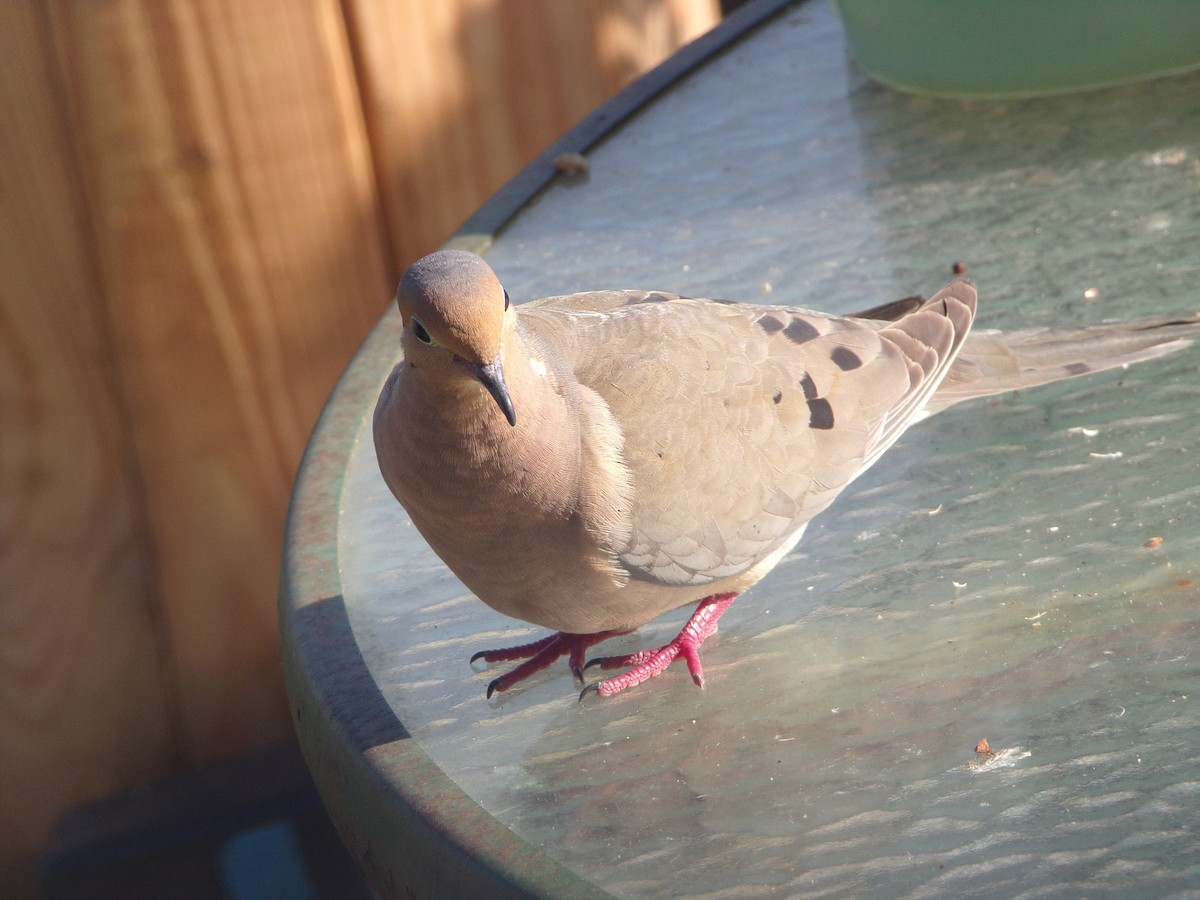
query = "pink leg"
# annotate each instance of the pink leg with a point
(539, 655)
(648, 663)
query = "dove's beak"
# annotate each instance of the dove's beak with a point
(491, 376)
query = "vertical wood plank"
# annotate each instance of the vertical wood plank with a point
(460, 95)
(84, 709)
(232, 201)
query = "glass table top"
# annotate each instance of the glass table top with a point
(1022, 569)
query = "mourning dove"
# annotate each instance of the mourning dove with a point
(588, 462)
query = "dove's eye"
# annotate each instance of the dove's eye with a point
(419, 330)
(507, 302)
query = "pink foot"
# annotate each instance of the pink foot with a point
(539, 655)
(648, 663)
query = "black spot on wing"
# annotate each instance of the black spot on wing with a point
(1077, 368)
(769, 324)
(799, 331)
(777, 396)
(845, 359)
(652, 297)
(820, 414)
(890, 312)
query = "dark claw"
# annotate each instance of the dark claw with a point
(594, 661)
(495, 683)
(593, 688)
(480, 655)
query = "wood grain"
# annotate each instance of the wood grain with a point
(84, 710)
(232, 205)
(459, 96)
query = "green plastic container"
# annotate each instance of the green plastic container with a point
(1020, 48)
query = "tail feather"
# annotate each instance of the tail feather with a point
(993, 362)
(931, 339)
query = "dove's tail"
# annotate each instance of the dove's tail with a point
(992, 362)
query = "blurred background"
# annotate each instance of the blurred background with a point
(204, 207)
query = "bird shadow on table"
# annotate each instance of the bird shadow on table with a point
(339, 685)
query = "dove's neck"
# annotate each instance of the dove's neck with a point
(470, 455)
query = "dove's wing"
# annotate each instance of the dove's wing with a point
(742, 422)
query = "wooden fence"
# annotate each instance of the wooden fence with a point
(204, 206)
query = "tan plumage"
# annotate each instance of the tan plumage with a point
(663, 451)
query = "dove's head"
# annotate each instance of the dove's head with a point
(454, 310)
